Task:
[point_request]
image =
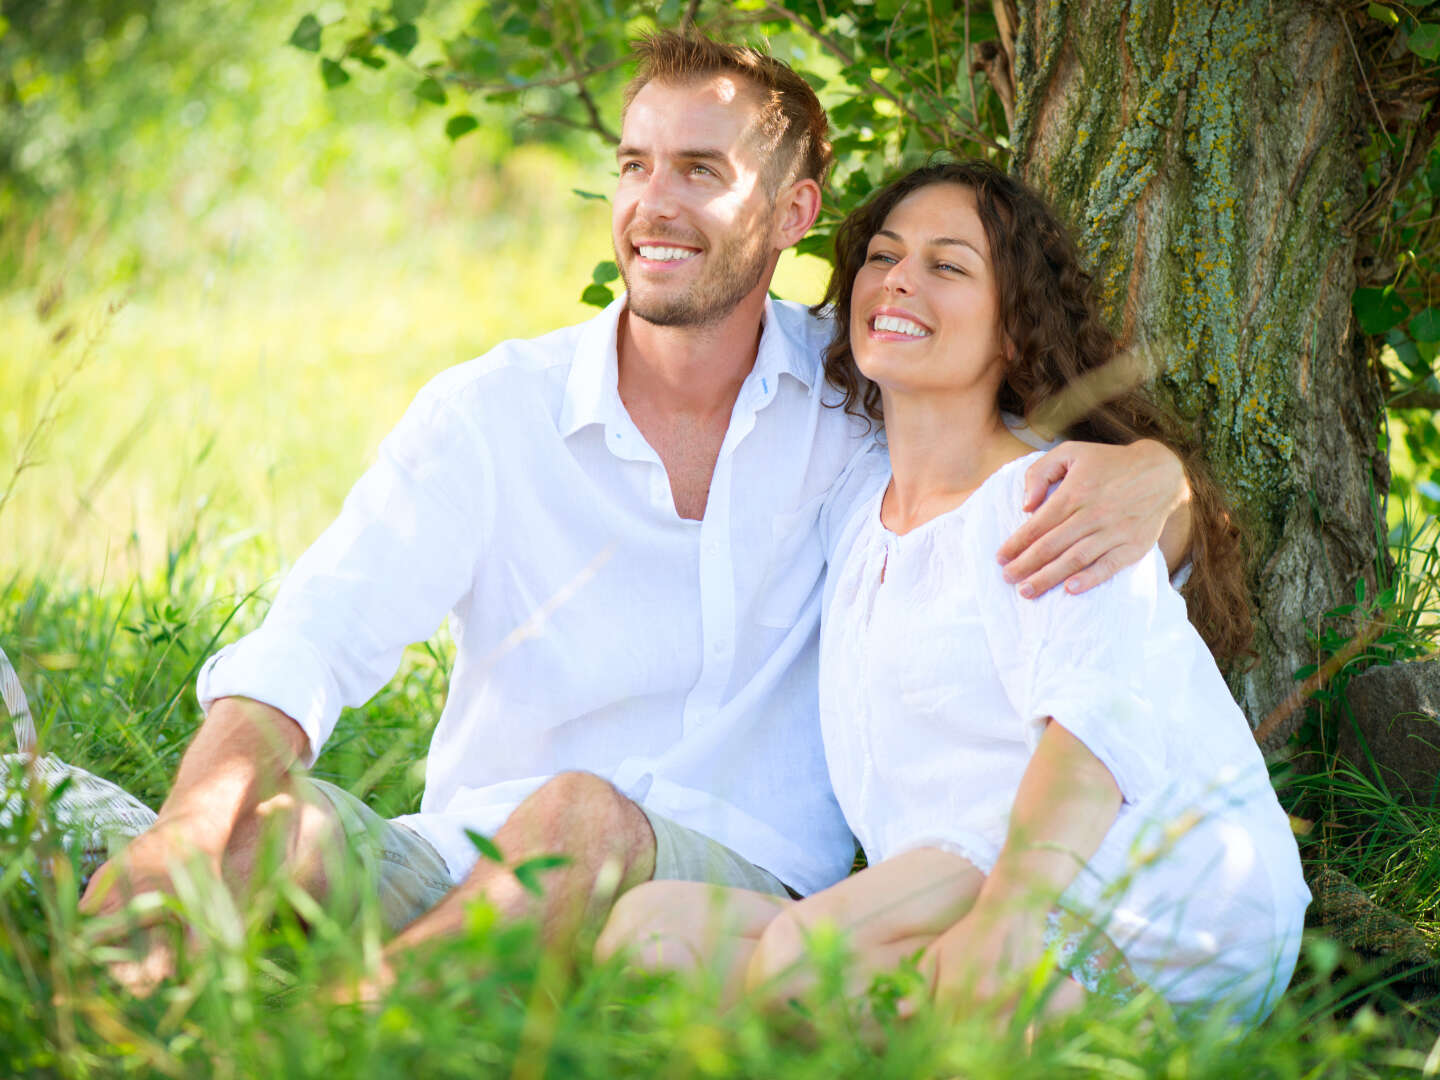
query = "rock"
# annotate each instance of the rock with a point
(1397, 710)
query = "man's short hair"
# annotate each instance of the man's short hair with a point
(792, 122)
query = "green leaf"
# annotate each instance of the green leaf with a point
(814, 244)
(401, 39)
(430, 90)
(333, 74)
(407, 10)
(1406, 352)
(605, 272)
(1377, 309)
(597, 296)
(528, 872)
(485, 846)
(374, 62)
(591, 195)
(306, 34)
(4, 25)
(1426, 325)
(460, 124)
(1384, 14)
(1424, 41)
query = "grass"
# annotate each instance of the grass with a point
(190, 437)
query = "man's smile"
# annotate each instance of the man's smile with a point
(664, 253)
(660, 256)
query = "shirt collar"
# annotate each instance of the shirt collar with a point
(787, 345)
(592, 392)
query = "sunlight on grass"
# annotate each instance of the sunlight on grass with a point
(263, 392)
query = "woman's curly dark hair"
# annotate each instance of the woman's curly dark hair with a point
(1049, 316)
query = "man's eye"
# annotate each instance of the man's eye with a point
(629, 166)
(702, 170)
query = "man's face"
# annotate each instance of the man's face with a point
(692, 218)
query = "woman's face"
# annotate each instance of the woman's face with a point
(924, 315)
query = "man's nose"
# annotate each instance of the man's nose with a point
(657, 197)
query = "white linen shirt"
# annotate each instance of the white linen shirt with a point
(595, 629)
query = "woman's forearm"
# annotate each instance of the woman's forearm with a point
(1065, 805)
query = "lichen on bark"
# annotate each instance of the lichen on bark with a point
(1203, 152)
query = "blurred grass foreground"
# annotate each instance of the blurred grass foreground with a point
(219, 287)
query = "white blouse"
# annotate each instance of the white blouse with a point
(936, 685)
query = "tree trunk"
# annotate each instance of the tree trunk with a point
(1206, 155)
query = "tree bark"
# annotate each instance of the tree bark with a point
(1206, 154)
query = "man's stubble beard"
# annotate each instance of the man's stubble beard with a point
(733, 273)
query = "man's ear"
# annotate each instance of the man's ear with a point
(797, 206)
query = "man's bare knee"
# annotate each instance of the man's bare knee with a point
(582, 815)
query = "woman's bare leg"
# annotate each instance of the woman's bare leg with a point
(689, 926)
(888, 912)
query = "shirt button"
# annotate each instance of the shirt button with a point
(720, 646)
(712, 548)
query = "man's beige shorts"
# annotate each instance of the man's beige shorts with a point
(412, 877)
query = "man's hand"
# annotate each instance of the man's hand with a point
(242, 754)
(1112, 505)
(145, 868)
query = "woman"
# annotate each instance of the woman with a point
(1067, 772)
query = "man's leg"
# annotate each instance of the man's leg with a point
(341, 852)
(610, 845)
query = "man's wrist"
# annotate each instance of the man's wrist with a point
(183, 833)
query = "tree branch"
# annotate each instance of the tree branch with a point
(597, 122)
(1417, 398)
(563, 121)
(837, 50)
(934, 98)
(535, 84)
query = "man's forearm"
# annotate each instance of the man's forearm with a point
(240, 757)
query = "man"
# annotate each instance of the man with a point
(624, 520)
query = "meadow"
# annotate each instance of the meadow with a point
(188, 386)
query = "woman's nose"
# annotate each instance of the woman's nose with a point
(897, 278)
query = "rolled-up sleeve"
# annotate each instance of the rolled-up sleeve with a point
(399, 556)
(1080, 661)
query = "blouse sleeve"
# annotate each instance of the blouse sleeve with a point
(1079, 660)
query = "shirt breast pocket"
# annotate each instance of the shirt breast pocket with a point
(797, 563)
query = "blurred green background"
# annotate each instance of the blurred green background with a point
(220, 284)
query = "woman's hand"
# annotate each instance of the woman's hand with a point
(982, 963)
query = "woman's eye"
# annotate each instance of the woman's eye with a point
(951, 267)
(880, 257)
